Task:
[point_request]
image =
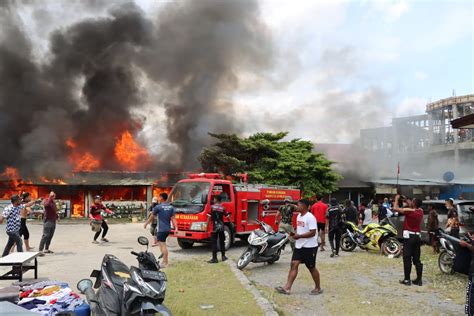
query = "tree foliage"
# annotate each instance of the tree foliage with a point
(267, 158)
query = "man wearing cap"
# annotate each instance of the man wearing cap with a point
(306, 249)
(12, 214)
(285, 219)
(96, 214)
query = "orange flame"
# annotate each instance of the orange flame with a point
(81, 162)
(13, 175)
(129, 153)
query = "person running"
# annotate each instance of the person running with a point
(306, 249)
(217, 236)
(319, 210)
(12, 214)
(95, 213)
(154, 222)
(433, 228)
(166, 217)
(412, 241)
(25, 212)
(334, 216)
(49, 225)
(284, 219)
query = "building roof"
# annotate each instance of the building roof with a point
(421, 182)
(464, 122)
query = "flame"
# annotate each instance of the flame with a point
(13, 175)
(157, 191)
(53, 181)
(15, 185)
(81, 161)
(129, 153)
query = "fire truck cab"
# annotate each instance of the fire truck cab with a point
(246, 203)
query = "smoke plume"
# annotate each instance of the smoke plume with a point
(90, 81)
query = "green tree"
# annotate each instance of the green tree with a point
(267, 158)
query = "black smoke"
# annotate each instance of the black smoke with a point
(90, 81)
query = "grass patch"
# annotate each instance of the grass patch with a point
(363, 283)
(194, 283)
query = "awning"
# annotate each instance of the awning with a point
(464, 122)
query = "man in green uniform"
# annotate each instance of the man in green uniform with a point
(285, 219)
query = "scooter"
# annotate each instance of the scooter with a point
(127, 291)
(265, 245)
(373, 237)
(453, 258)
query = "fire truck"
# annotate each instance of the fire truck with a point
(246, 203)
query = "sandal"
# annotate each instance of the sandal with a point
(281, 290)
(314, 292)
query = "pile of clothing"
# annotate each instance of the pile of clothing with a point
(49, 298)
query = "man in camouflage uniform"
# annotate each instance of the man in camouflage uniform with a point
(285, 219)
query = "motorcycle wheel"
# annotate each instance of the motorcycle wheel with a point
(346, 243)
(445, 262)
(245, 259)
(391, 246)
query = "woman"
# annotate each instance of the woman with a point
(23, 216)
(217, 216)
(453, 227)
(433, 228)
(95, 214)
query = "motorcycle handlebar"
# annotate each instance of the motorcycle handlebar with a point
(134, 253)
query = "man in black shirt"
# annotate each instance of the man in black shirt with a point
(334, 216)
(350, 212)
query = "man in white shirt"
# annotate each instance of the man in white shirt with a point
(306, 249)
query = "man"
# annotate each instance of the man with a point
(383, 212)
(453, 218)
(306, 249)
(12, 214)
(285, 219)
(469, 308)
(412, 241)
(166, 216)
(365, 214)
(334, 216)
(217, 236)
(350, 212)
(95, 213)
(49, 225)
(154, 223)
(319, 210)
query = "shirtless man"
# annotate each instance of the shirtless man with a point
(23, 216)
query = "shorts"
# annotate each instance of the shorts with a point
(321, 226)
(161, 236)
(306, 256)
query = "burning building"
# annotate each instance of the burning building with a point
(127, 193)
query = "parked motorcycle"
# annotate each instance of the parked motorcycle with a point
(127, 291)
(265, 245)
(452, 257)
(373, 237)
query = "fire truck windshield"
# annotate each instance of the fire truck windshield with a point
(186, 197)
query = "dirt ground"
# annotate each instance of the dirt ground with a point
(355, 283)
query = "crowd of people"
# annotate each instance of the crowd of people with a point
(314, 222)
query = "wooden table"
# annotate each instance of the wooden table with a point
(19, 263)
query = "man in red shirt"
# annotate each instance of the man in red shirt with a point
(96, 214)
(411, 239)
(49, 225)
(319, 210)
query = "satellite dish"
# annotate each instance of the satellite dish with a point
(448, 176)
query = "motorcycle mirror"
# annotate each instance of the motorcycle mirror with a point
(84, 284)
(204, 198)
(142, 240)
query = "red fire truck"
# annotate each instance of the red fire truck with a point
(246, 203)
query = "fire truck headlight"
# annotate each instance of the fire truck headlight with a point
(199, 226)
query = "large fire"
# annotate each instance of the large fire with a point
(14, 184)
(129, 153)
(81, 161)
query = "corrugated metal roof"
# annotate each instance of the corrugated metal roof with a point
(421, 182)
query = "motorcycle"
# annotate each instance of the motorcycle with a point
(127, 291)
(373, 237)
(452, 258)
(265, 245)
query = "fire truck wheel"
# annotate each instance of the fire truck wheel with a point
(229, 238)
(185, 243)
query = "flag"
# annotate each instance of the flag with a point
(398, 168)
